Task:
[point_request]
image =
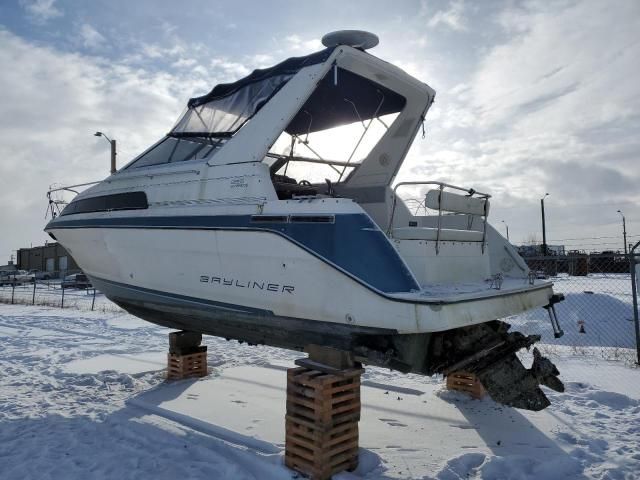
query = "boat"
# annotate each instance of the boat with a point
(270, 214)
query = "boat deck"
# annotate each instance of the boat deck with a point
(455, 292)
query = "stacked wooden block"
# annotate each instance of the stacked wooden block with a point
(323, 410)
(467, 383)
(186, 358)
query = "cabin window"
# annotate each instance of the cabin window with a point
(105, 203)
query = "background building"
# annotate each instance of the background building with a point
(535, 250)
(9, 267)
(51, 257)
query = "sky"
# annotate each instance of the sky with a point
(532, 97)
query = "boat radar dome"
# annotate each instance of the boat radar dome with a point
(352, 38)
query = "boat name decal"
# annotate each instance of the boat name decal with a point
(239, 182)
(251, 284)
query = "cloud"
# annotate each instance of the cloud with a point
(91, 38)
(231, 70)
(156, 51)
(296, 43)
(451, 18)
(570, 56)
(41, 11)
(261, 60)
(184, 63)
(552, 105)
(51, 103)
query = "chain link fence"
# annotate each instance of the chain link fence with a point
(597, 315)
(64, 289)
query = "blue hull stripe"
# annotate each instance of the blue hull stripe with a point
(353, 243)
(163, 296)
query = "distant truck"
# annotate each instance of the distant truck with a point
(40, 275)
(76, 280)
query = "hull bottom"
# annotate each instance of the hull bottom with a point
(488, 349)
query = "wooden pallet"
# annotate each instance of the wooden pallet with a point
(323, 410)
(190, 365)
(467, 383)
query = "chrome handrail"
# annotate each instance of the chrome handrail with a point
(54, 205)
(441, 187)
(71, 187)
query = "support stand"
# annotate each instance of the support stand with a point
(186, 358)
(323, 410)
(467, 383)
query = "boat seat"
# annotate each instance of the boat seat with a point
(287, 187)
(452, 202)
(431, 234)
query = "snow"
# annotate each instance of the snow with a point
(602, 304)
(83, 395)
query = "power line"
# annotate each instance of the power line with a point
(600, 244)
(620, 204)
(589, 238)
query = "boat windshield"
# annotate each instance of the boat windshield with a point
(327, 154)
(174, 149)
(210, 120)
(336, 128)
(223, 116)
(225, 109)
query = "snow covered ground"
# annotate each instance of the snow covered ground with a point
(83, 395)
(601, 304)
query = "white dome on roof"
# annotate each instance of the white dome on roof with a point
(352, 38)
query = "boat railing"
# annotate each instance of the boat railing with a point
(56, 205)
(443, 201)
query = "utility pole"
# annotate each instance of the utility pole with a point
(624, 232)
(113, 149)
(634, 295)
(544, 228)
(507, 227)
(113, 155)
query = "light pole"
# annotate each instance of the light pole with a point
(113, 149)
(507, 227)
(624, 231)
(544, 228)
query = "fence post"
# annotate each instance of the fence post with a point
(634, 291)
(33, 298)
(62, 303)
(13, 290)
(93, 302)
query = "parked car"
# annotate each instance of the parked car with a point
(541, 274)
(17, 277)
(76, 280)
(40, 275)
(5, 277)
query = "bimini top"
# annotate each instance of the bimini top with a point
(287, 68)
(225, 109)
